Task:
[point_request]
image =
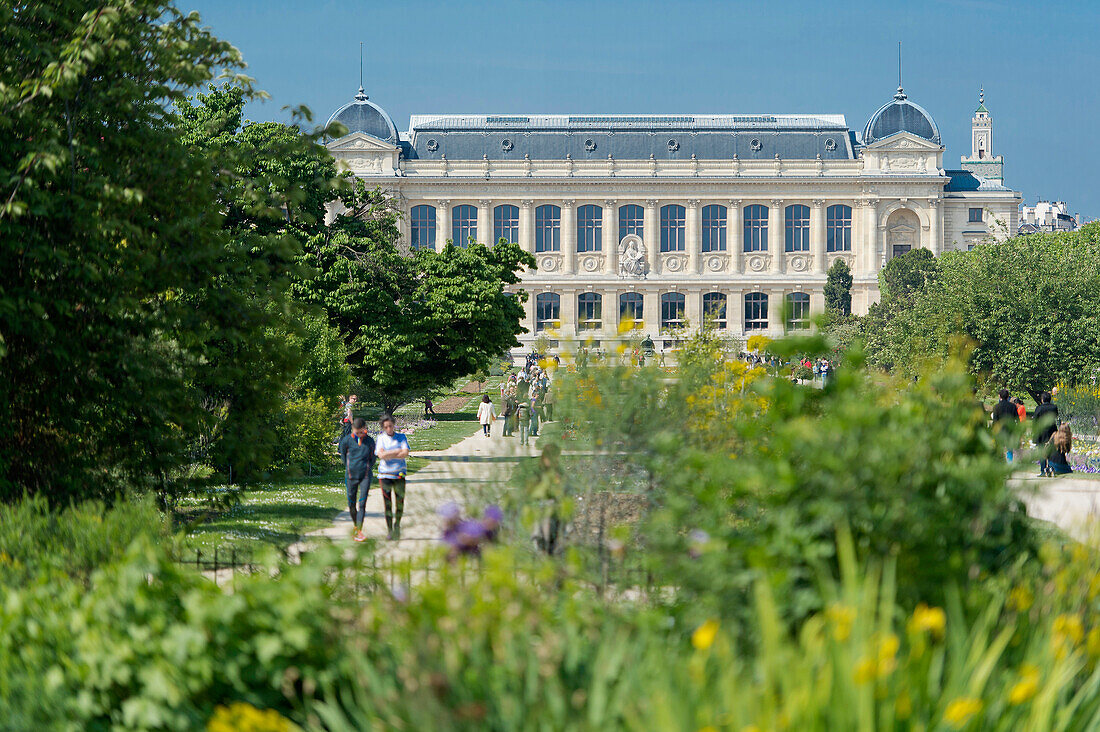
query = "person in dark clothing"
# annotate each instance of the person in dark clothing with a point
(357, 453)
(1004, 419)
(1060, 443)
(1045, 420)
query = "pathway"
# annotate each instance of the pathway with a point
(467, 472)
(1071, 502)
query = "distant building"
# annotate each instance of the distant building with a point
(657, 221)
(1047, 216)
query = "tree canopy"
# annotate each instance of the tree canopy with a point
(838, 288)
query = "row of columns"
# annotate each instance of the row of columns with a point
(651, 308)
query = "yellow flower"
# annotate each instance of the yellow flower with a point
(959, 711)
(241, 717)
(1068, 627)
(703, 637)
(1092, 645)
(928, 619)
(903, 707)
(842, 617)
(708, 728)
(1020, 598)
(1025, 688)
(865, 671)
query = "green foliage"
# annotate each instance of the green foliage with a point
(909, 274)
(324, 371)
(304, 433)
(838, 288)
(413, 323)
(1029, 307)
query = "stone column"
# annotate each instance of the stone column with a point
(568, 237)
(651, 311)
(611, 310)
(693, 307)
(775, 235)
(611, 242)
(870, 239)
(568, 313)
(527, 226)
(442, 223)
(935, 237)
(651, 236)
(735, 232)
(735, 312)
(776, 300)
(693, 231)
(485, 222)
(817, 235)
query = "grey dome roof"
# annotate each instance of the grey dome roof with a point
(363, 115)
(900, 115)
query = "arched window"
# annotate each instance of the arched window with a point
(838, 228)
(548, 228)
(422, 224)
(589, 228)
(673, 305)
(547, 311)
(630, 309)
(798, 228)
(714, 310)
(463, 224)
(589, 311)
(756, 311)
(798, 311)
(714, 228)
(673, 218)
(506, 223)
(756, 228)
(631, 220)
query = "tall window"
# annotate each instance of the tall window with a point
(547, 311)
(673, 305)
(756, 311)
(714, 310)
(506, 223)
(756, 228)
(798, 311)
(589, 228)
(630, 309)
(838, 228)
(422, 223)
(631, 220)
(463, 224)
(673, 218)
(798, 228)
(975, 216)
(548, 228)
(589, 311)
(714, 228)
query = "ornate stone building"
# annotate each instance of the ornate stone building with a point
(675, 219)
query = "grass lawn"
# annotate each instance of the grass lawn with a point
(277, 514)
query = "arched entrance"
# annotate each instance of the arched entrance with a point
(902, 233)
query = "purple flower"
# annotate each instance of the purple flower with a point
(449, 511)
(494, 513)
(698, 541)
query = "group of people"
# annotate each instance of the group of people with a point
(1053, 440)
(359, 453)
(527, 401)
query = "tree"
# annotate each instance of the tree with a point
(1028, 307)
(113, 252)
(838, 288)
(412, 323)
(908, 274)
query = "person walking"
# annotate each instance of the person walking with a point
(357, 453)
(392, 448)
(534, 413)
(486, 413)
(523, 417)
(1005, 417)
(429, 408)
(1045, 421)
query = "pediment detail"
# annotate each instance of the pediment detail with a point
(905, 141)
(360, 142)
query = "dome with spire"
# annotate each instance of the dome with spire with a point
(900, 115)
(363, 115)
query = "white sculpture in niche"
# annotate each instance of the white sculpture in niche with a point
(632, 257)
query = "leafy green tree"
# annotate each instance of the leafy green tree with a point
(121, 303)
(908, 274)
(1028, 307)
(838, 288)
(412, 323)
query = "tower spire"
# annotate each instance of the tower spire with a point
(361, 95)
(901, 92)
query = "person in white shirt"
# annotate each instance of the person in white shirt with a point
(486, 414)
(392, 448)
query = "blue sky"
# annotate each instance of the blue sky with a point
(1039, 63)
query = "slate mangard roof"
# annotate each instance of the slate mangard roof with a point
(632, 137)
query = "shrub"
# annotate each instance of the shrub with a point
(304, 433)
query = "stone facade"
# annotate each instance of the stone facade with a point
(721, 238)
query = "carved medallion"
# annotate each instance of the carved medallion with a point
(548, 264)
(757, 262)
(716, 262)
